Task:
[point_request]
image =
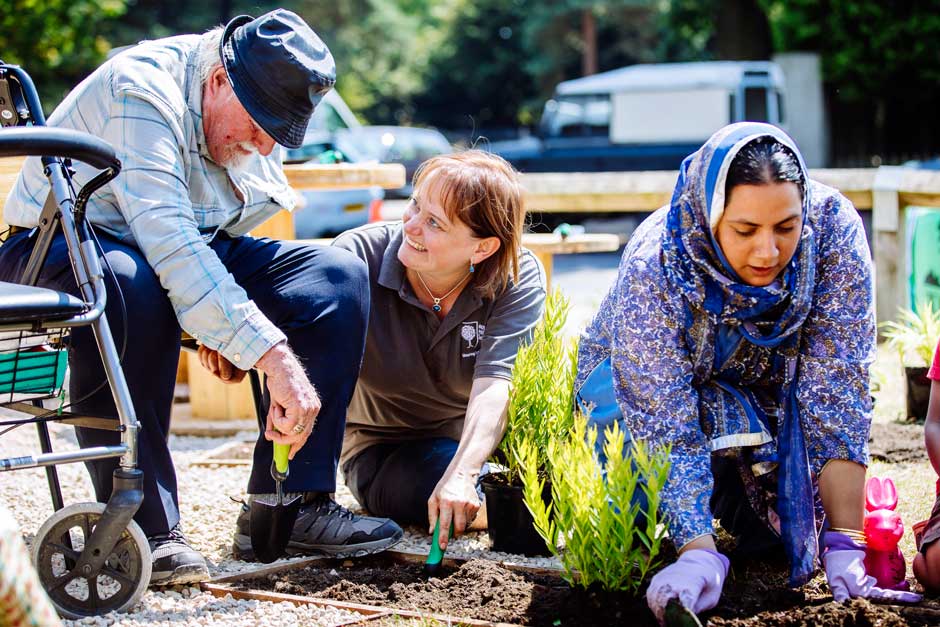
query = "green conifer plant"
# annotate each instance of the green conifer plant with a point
(607, 539)
(541, 396)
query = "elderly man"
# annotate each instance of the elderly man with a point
(196, 121)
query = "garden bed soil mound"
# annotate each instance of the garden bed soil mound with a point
(755, 594)
(857, 612)
(896, 442)
(478, 589)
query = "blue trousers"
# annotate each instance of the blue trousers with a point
(396, 480)
(318, 296)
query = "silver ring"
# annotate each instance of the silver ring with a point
(299, 427)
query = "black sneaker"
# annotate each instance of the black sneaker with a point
(323, 528)
(175, 561)
(241, 543)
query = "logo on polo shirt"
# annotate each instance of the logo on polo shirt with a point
(471, 333)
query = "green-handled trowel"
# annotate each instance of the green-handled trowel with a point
(436, 555)
(272, 523)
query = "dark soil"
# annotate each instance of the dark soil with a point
(897, 442)
(478, 589)
(754, 595)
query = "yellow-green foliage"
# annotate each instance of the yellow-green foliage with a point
(541, 396)
(914, 335)
(607, 539)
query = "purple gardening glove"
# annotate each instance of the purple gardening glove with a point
(844, 561)
(696, 579)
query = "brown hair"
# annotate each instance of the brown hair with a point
(484, 192)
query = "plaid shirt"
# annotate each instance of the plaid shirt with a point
(170, 198)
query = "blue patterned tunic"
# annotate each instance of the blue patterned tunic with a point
(777, 375)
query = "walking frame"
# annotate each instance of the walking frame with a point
(92, 558)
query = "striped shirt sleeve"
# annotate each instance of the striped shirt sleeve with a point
(152, 195)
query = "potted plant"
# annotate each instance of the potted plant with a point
(541, 410)
(914, 336)
(609, 538)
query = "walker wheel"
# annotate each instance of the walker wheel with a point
(119, 584)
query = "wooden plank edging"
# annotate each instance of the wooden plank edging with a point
(278, 597)
(413, 557)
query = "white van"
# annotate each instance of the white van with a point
(648, 116)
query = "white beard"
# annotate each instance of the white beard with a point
(236, 160)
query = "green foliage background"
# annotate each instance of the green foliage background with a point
(58, 41)
(470, 65)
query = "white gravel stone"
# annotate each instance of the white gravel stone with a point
(208, 506)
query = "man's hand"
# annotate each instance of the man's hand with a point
(294, 401)
(454, 499)
(219, 366)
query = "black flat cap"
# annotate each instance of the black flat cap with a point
(279, 69)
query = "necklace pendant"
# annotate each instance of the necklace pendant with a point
(436, 307)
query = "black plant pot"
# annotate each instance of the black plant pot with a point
(510, 525)
(918, 392)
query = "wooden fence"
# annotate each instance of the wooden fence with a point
(886, 191)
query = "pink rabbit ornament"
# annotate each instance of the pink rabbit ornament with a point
(883, 531)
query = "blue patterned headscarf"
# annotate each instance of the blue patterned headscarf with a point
(695, 266)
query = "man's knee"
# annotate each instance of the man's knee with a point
(343, 309)
(350, 275)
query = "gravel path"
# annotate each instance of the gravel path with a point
(208, 517)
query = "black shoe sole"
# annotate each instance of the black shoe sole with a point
(189, 573)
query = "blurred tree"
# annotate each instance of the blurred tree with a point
(721, 30)
(865, 44)
(383, 49)
(477, 76)
(153, 19)
(742, 32)
(687, 30)
(881, 66)
(502, 58)
(572, 38)
(57, 41)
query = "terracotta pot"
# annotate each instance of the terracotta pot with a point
(918, 392)
(510, 525)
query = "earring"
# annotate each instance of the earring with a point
(472, 267)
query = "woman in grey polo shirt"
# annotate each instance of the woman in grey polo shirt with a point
(453, 294)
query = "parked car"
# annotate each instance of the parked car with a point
(407, 145)
(324, 213)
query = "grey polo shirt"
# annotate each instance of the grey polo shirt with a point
(417, 370)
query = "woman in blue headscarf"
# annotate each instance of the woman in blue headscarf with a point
(740, 332)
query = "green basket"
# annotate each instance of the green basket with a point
(32, 372)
